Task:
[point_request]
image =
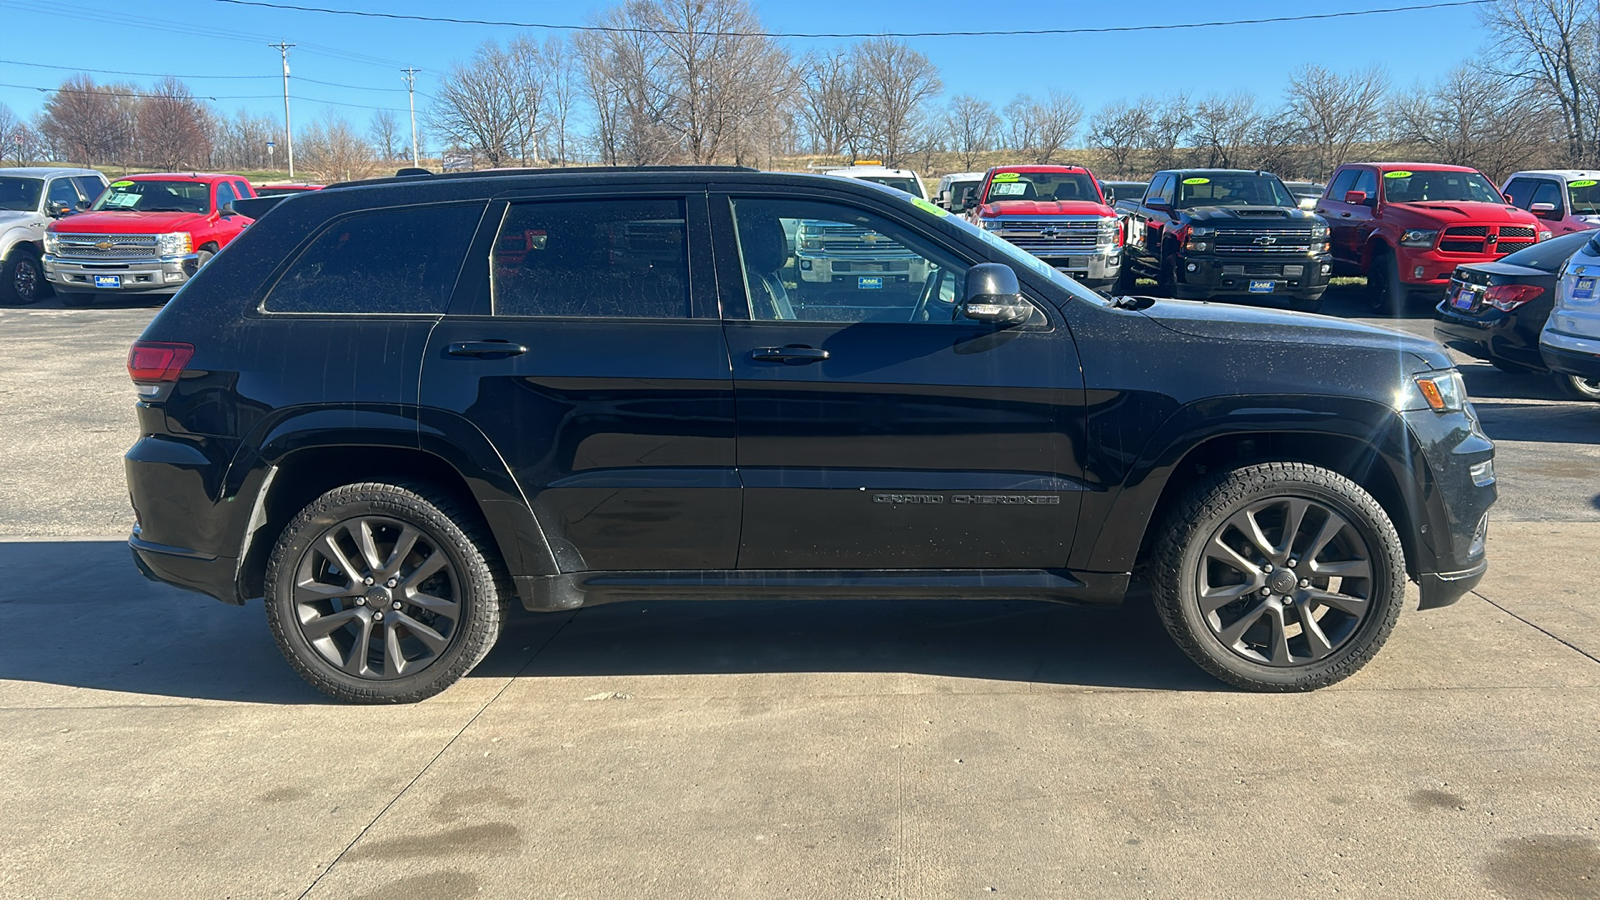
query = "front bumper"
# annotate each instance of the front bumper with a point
(163, 275)
(1200, 277)
(891, 270)
(1101, 268)
(1570, 354)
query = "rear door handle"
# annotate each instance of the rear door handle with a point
(485, 349)
(793, 355)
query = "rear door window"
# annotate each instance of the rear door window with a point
(225, 194)
(390, 261)
(607, 259)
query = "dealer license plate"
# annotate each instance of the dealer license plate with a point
(1464, 298)
(1584, 289)
(1261, 287)
(869, 283)
(108, 281)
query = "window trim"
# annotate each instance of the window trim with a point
(270, 284)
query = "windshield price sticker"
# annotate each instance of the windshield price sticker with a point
(925, 206)
(121, 184)
(1007, 176)
(1197, 181)
(1009, 189)
(1397, 174)
(1588, 182)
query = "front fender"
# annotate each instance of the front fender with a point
(11, 237)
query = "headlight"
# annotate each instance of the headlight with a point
(1418, 237)
(990, 224)
(1441, 392)
(52, 243)
(1319, 231)
(1202, 231)
(1546, 235)
(177, 243)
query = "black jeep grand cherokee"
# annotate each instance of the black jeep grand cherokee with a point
(391, 407)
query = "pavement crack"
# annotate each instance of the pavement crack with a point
(1540, 628)
(436, 757)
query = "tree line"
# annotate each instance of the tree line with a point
(698, 81)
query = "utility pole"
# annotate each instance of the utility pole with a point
(411, 95)
(288, 130)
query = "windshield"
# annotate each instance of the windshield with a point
(1422, 187)
(21, 194)
(1551, 255)
(156, 196)
(1585, 195)
(1233, 189)
(1045, 186)
(899, 183)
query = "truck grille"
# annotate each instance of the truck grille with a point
(851, 241)
(1485, 240)
(1264, 241)
(1053, 237)
(107, 246)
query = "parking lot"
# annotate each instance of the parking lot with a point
(154, 744)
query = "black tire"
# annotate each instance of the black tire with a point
(306, 585)
(21, 277)
(202, 257)
(1385, 291)
(1578, 388)
(1351, 629)
(1167, 277)
(1126, 280)
(1310, 303)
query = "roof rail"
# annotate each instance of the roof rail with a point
(412, 176)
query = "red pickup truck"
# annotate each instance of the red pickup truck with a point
(1057, 213)
(1406, 226)
(146, 234)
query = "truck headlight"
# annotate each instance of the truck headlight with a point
(990, 224)
(177, 243)
(1418, 237)
(1318, 232)
(52, 243)
(1202, 231)
(1441, 392)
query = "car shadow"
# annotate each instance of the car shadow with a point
(78, 614)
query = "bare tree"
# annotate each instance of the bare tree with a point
(1554, 46)
(564, 92)
(333, 150)
(81, 121)
(620, 64)
(896, 83)
(476, 106)
(1223, 128)
(240, 142)
(830, 100)
(1020, 123)
(384, 130)
(1058, 116)
(1171, 121)
(172, 128)
(973, 127)
(1117, 129)
(1335, 112)
(10, 135)
(1470, 118)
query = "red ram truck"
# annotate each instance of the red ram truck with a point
(1057, 213)
(146, 234)
(1406, 226)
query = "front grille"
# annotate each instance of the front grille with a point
(1467, 231)
(1264, 241)
(1461, 246)
(852, 241)
(107, 246)
(1052, 237)
(1515, 231)
(1485, 240)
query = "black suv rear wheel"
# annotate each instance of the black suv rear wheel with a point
(1279, 576)
(383, 593)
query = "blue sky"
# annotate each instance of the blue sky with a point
(362, 56)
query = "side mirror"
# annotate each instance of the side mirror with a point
(226, 211)
(1508, 199)
(1355, 198)
(1544, 210)
(55, 209)
(1156, 203)
(994, 296)
(969, 202)
(1111, 195)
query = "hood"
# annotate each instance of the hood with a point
(1453, 213)
(1226, 322)
(1264, 215)
(126, 222)
(1045, 208)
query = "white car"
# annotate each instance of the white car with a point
(900, 179)
(29, 199)
(956, 187)
(1570, 341)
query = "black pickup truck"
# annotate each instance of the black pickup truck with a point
(1203, 233)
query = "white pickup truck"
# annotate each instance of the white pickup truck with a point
(899, 179)
(29, 199)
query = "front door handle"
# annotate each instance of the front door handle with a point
(486, 349)
(792, 355)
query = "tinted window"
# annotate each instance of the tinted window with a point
(62, 190)
(1163, 188)
(242, 189)
(592, 258)
(809, 261)
(1520, 190)
(20, 193)
(1219, 189)
(1344, 184)
(1549, 192)
(390, 261)
(1367, 182)
(225, 194)
(90, 186)
(1551, 255)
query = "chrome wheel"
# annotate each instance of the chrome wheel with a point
(1579, 388)
(377, 598)
(25, 280)
(1285, 581)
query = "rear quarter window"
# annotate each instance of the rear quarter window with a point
(393, 261)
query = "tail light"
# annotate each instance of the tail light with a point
(155, 364)
(1506, 297)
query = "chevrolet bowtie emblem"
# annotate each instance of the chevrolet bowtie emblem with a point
(103, 245)
(1266, 240)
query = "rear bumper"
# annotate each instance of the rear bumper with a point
(135, 275)
(185, 568)
(1570, 354)
(1494, 335)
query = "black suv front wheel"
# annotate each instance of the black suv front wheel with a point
(1279, 576)
(383, 593)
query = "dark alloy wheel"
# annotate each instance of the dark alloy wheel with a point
(1578, 387)
(21, 282)
(376, 594)
(1280, 577)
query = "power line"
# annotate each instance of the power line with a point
(215, 97)
(353, 87)
(613, 29)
